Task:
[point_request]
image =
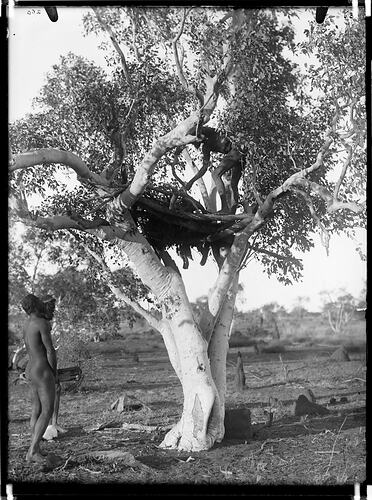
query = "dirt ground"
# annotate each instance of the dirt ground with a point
(327, 450)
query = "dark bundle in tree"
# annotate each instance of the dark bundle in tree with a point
(239, 375)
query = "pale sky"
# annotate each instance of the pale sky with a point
(36, 44)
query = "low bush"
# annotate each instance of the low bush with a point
(73, 351)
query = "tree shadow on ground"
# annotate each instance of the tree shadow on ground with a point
(290, 427)
(288, 402)
(158, 462)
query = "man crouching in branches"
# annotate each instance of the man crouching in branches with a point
(231, 164)
(41, 372)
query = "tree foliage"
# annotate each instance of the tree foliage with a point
(110, 120)
(57, 267)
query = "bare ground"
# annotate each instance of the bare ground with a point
(328, 450)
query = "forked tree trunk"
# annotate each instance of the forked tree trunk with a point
(188, 350)
(201, 422)
(201, 368)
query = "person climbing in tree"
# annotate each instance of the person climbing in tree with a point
(41, 372)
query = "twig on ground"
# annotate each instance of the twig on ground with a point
(271, 441)
(255, 376)
(91, 471)
(355, 378)
(333, 447)
(294, 423)
(60, 468)
(330, 451)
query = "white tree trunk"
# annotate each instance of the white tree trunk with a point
(196, 430)
(218, 348)
(203, 381)
(186, 346)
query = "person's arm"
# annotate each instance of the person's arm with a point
(47, 341)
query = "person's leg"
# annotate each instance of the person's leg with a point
(46, 393)
(53, 428)
(35, 407)
(56, 405)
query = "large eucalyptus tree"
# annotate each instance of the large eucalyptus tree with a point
(191, 92)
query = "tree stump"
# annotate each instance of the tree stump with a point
(239, 375)
(308, 393)
(125, 403)
(340, 354)
(306, 407)
(238, 424)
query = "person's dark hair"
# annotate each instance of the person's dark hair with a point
(31, 304)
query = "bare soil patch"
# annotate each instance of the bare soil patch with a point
(321, 450)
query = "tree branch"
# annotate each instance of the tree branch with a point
(173, 167)
(289, 152)
(153, 322)
(99, 227)
(179, 69)
(186, 186)
(275, 255)
(197, 177)
(332, 204)
(115, 44)
(324, 233)
(343, 171)
(47, 156)
(214, 84)
(132, 16)
(181, 135)
(298, 178)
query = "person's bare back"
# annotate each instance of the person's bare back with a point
(38, 366)
(41, 371)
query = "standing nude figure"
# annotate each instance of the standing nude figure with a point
(53, 427)
(41, 372)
